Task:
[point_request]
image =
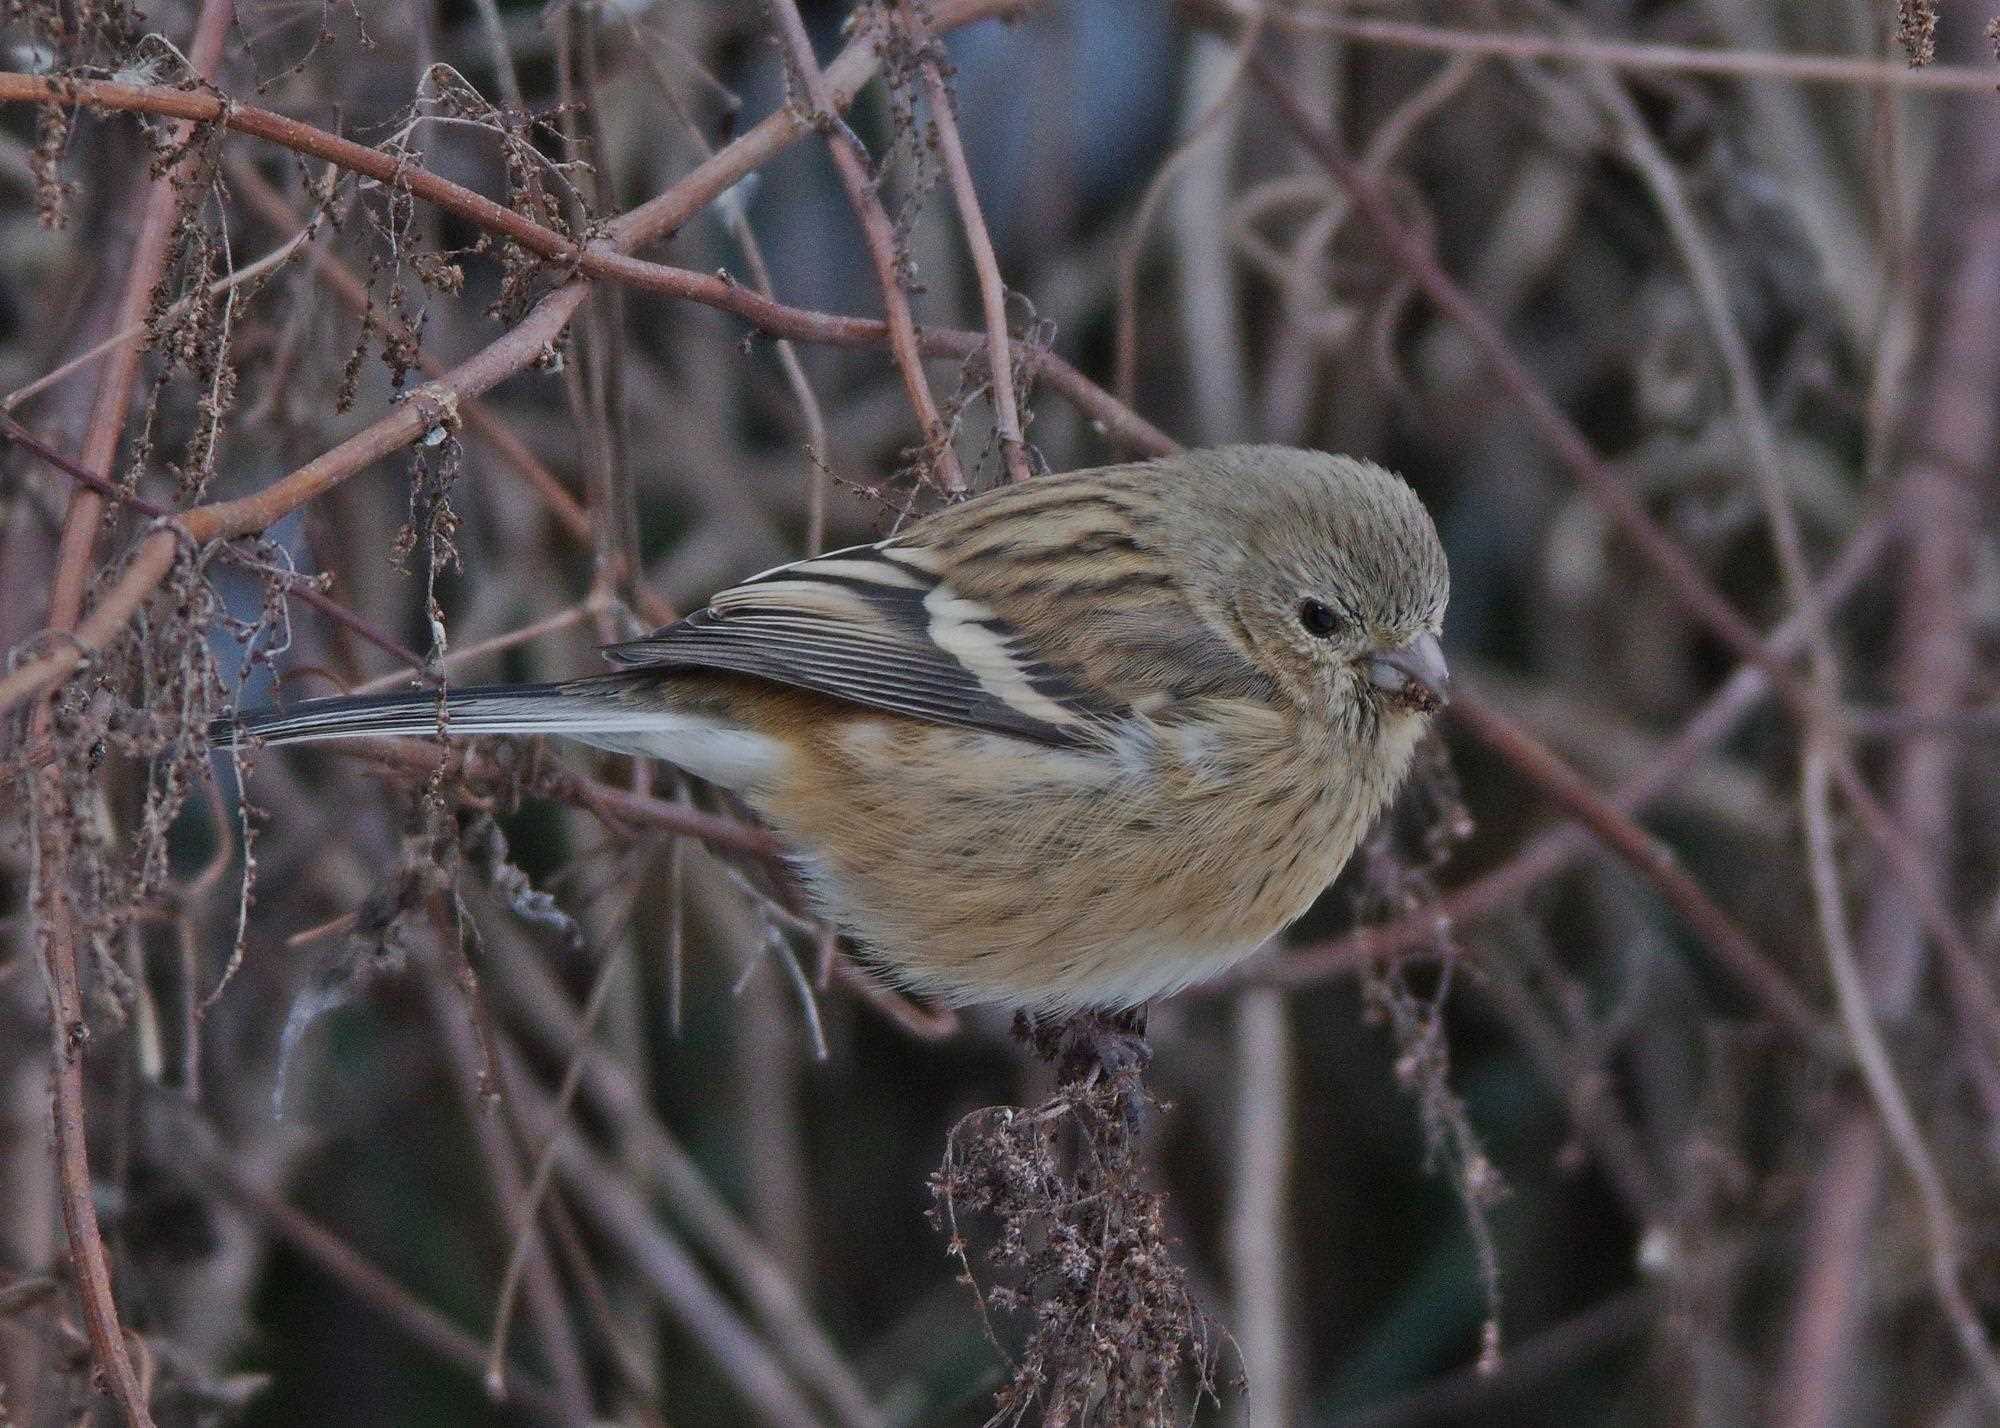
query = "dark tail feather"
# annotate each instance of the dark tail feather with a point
(497, 709)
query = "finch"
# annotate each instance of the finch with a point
(1067, 746)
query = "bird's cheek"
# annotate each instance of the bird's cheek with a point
(1349, 702)
(1303, 680)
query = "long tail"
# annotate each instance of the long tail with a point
(625, 713)
(495, 709)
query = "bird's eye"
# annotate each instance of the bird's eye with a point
(1318, 619)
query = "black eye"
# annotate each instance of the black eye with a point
(1318, 619)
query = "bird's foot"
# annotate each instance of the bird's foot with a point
(1092, 1048)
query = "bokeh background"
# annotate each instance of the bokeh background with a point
(1715, 273)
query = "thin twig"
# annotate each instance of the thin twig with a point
(908, 17)
(500, 54)
(229, 282)
(609, 803)
(1731, 945)
(1125, 346)
(819, 452)
(615, 1096)
(1625, 55)
(416, 1320)
(1746, 394)
(527, 1205)
(880, 235)
(622, 1217)
(1878, 1073)
(1473, 1396)
(462, 655)
(590, 381)
(469, 1046)
(922, 1022)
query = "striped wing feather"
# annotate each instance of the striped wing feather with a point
(876, 626)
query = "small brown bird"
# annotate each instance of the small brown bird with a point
(1068, 746)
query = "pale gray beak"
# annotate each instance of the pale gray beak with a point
(1415, 670)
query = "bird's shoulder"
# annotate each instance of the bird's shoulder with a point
(1092, 573)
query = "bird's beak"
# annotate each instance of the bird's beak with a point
(1414, 672)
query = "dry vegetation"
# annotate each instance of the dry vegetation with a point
(1645, 1068)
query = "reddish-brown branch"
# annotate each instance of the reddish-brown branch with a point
(299, 586)
(1839, 1223)
(199, 106)
(438, 402)
(53, 832)
(880, 234)
(107, 490)
(774, 319)
(247, 183)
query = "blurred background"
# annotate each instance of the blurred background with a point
(1554, 1158)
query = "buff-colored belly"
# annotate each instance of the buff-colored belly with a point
(1064, 884)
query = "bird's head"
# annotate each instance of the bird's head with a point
(1334, 584)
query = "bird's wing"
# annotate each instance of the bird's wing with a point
(878, 626)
